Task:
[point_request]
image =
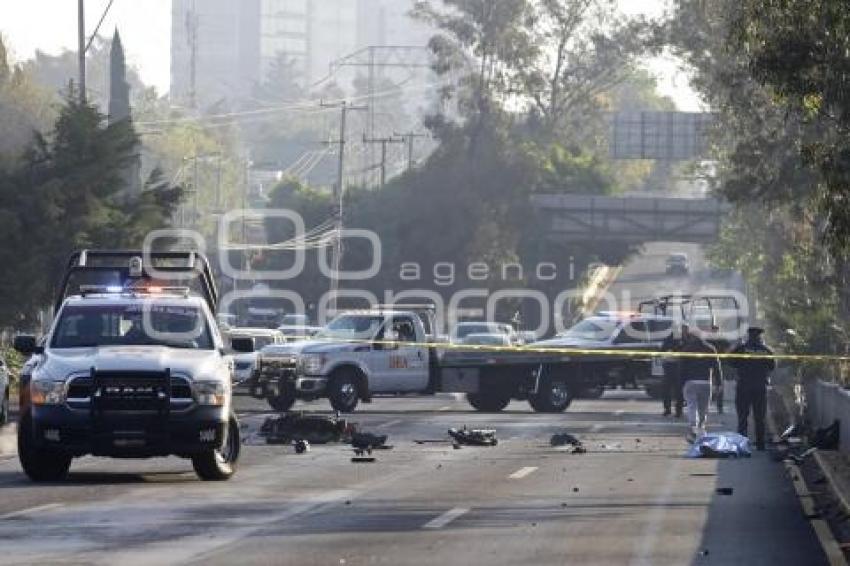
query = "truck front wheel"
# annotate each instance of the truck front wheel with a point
(488, 401)
(553, 396)
(39, 464)
(344, 390)
(219, 463)
(284, 399)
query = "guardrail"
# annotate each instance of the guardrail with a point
(826, 402)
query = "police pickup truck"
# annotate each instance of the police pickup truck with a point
(132, 366)
(386, 351)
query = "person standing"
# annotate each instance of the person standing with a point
(753, 375)
(722, 345)
(699, 376)
(671, 385)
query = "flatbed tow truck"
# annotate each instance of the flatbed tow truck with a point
(386, 350)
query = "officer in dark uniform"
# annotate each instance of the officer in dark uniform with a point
(671, 387)
(751, 391)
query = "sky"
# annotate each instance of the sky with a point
(145, 26)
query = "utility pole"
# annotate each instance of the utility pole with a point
(192, 38)
(384, 142)
(339, 192)
(81, 47)
(409, 137)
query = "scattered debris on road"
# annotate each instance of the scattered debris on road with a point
(301, 446)
(724, 490)
(827, 438)
(315, 429)
(365, 442)
(474, 437)
(565, 439)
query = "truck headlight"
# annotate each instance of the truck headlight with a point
(47, 392)
(312, 364)
(213, 393)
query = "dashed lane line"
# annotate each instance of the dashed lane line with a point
(388, 424)
(30, 511)
(445, 518)
(522, 472)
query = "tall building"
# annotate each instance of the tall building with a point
(220, 49)
(215, 53)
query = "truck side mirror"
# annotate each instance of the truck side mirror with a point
(243, 344)
(27, 345)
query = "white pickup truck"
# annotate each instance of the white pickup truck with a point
(386, 351)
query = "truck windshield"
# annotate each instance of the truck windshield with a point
(177, 326)
(352, 327)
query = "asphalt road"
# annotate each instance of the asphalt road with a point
(632, 499)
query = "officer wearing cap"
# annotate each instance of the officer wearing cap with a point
(751, 391)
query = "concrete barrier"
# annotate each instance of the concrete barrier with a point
(826, 402)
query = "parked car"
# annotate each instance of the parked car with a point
(678, 264)
(463, 329)
(488, 339)
(245, 363)
(4, 387)
(297, 326)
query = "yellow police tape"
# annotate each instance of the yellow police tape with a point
(567, 351)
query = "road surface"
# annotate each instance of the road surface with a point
(632, 499)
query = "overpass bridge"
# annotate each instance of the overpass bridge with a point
(579, 218)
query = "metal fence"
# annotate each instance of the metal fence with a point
(826, 402)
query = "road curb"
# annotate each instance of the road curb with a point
(820, 526)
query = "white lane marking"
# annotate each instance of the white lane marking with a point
(596, 428)
(389, 424)
(446, 408)
(445, 518)
(619, 412)
(31, 510)
(522, 472)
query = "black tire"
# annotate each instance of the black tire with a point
(553, 396)
(488, 402)
(220, 464)
(344, 390)
(39, 464)
(4, 408)
(591, 392)
(284, 399)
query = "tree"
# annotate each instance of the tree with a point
(119, 89)
(68, 192)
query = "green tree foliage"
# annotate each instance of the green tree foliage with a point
(25, 107)
(68, 192)
(772, 72)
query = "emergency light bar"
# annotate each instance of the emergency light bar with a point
(135, 290)
(135, 271)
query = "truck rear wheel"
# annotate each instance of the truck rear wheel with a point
(553, 396)
(488, 402)
(344, 390)
(284, 399)
(219, 464)
(39, 464)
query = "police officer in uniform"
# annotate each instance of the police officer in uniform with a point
(751, 391)
(671, 387)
